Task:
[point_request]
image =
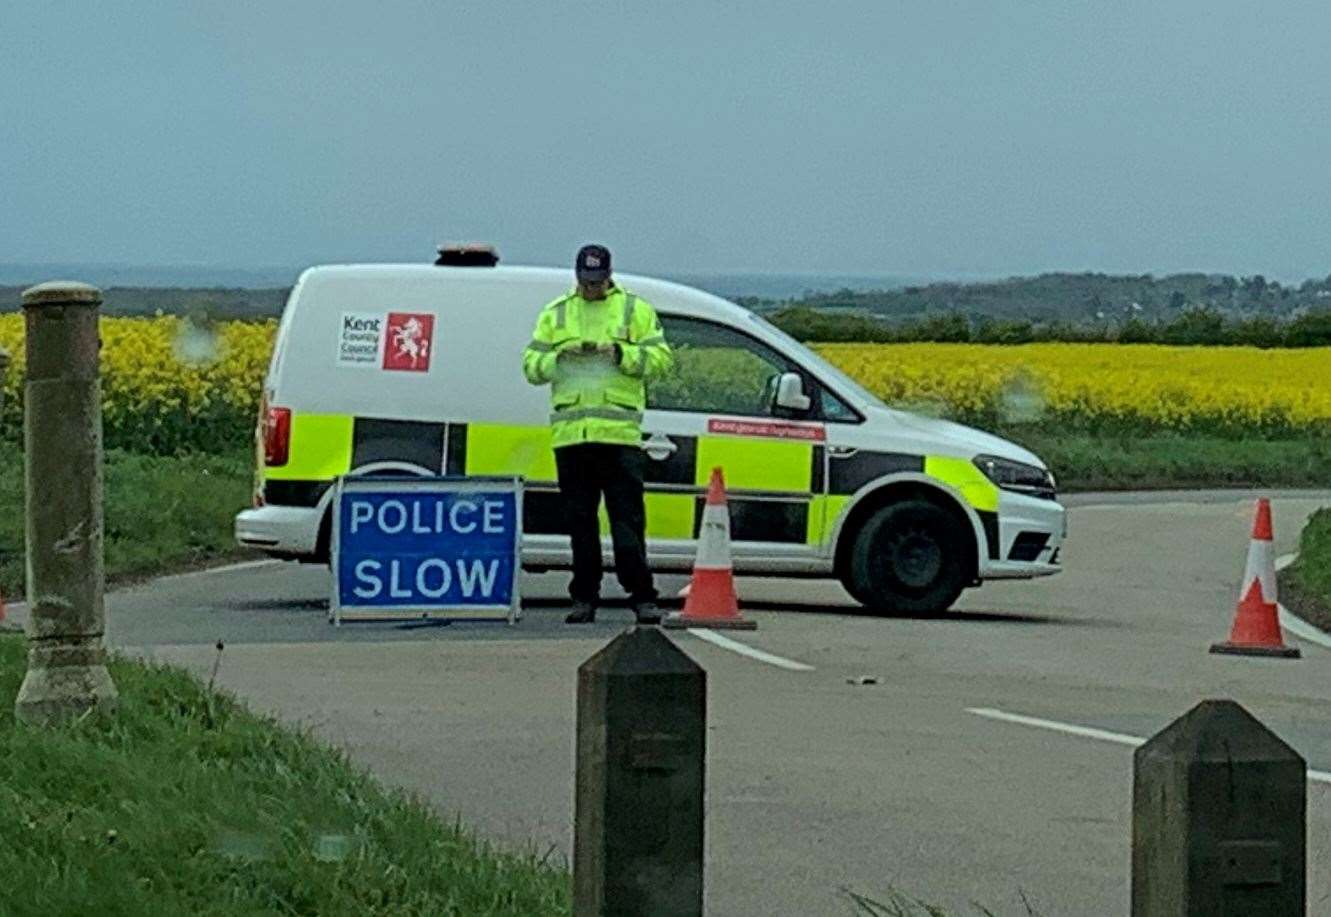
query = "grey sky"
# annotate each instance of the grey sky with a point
(909, 137)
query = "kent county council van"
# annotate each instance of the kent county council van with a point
(417, 369)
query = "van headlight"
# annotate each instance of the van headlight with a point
(1017, 476)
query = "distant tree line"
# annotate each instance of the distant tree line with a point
(1087, 297)
(1176, 309)
(220, 304)
(1192, 327)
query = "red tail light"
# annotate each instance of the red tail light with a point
(277, 437)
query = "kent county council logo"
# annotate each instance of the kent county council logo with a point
(410, 337)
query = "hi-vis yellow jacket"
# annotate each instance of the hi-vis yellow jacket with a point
(593, 399)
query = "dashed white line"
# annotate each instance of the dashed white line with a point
(1089, 732)
(744, 649)
(1086, 732)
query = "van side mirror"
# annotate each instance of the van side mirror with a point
(790, 393)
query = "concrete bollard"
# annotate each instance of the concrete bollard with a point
(1218, 819)
(638, 838)
(62, 439)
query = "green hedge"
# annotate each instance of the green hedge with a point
(1197, 327)
(1313, 569)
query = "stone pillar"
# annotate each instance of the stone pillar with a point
(62, 441)
(638, 834)
(1218, 819)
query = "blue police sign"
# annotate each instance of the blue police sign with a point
(412, 548)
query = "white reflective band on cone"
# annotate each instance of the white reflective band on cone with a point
(714, 539)
(1262, 567)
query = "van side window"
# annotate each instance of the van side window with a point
(717, 371)
(836, 410)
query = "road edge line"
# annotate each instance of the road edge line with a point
(744, 649)
(1292, 622)
(1090, 732)
(16, 607)
(208, 571)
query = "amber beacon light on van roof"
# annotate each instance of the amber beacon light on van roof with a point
(467, 254)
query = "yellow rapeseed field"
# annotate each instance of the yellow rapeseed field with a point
(1224, 390)
(167, 385)
(171, 386)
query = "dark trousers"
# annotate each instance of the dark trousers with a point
(587, 472)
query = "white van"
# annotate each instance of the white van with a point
(417, 369)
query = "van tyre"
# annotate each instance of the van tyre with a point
(908, 559)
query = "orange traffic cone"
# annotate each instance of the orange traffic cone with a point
(1256, 630)
(711, 598)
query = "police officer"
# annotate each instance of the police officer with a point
(597, 347)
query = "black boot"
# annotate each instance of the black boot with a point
(582, 613)
(647, 612)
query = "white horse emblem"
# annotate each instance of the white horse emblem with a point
(410, 342)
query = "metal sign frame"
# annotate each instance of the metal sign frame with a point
(453, 484)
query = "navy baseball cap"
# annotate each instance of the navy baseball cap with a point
(593, 263)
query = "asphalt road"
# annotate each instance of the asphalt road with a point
(815, 784)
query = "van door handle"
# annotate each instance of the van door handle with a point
(660, 447)
(841, 451)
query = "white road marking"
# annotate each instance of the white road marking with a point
(745, 650)
(1088, 732)
(1292, 622)
(230, 568)
(1302, 629)
(17, 608)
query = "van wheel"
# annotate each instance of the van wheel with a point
(908, 559)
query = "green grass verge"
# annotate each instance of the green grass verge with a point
(162, 513)
(186, 803)
(1305, 586)
(1082, 462)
